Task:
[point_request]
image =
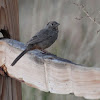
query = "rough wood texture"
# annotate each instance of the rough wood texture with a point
(10, 89)
(50, 73)
(9, 17)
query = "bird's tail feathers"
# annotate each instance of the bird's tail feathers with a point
(15, 61)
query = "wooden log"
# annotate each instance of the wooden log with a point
(49, 72)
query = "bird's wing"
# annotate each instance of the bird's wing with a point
(40, 36)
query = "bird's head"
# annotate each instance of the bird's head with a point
(53, 25)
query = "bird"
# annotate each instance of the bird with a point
(41, 40)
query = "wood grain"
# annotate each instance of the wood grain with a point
(10, 89)
(49, 72)
(9, 17)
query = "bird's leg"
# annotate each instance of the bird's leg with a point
(46, 52)
(48, 55)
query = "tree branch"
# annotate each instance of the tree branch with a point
(49, 72)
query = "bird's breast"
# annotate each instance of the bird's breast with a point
(48, 41)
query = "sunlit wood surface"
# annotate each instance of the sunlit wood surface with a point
(50, 73)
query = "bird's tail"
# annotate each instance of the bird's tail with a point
(15, 61)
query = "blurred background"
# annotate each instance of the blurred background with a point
(78, 39)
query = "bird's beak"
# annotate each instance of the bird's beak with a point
(58, 24)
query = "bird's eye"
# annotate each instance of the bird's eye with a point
(52, 24)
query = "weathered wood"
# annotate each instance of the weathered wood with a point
(50, 73)
(9, 18)
(10, 89)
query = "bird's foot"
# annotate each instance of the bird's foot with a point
(45, 52)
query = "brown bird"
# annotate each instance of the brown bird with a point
(42, 40)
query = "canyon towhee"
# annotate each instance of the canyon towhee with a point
(42, 40)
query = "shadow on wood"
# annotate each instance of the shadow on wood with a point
(48, 72)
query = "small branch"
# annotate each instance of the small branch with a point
(87, 14)
(90, 45)
(78, 18)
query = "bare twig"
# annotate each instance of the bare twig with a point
(78, 18)
(98, 31)
(87, 14)
(90, 45)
